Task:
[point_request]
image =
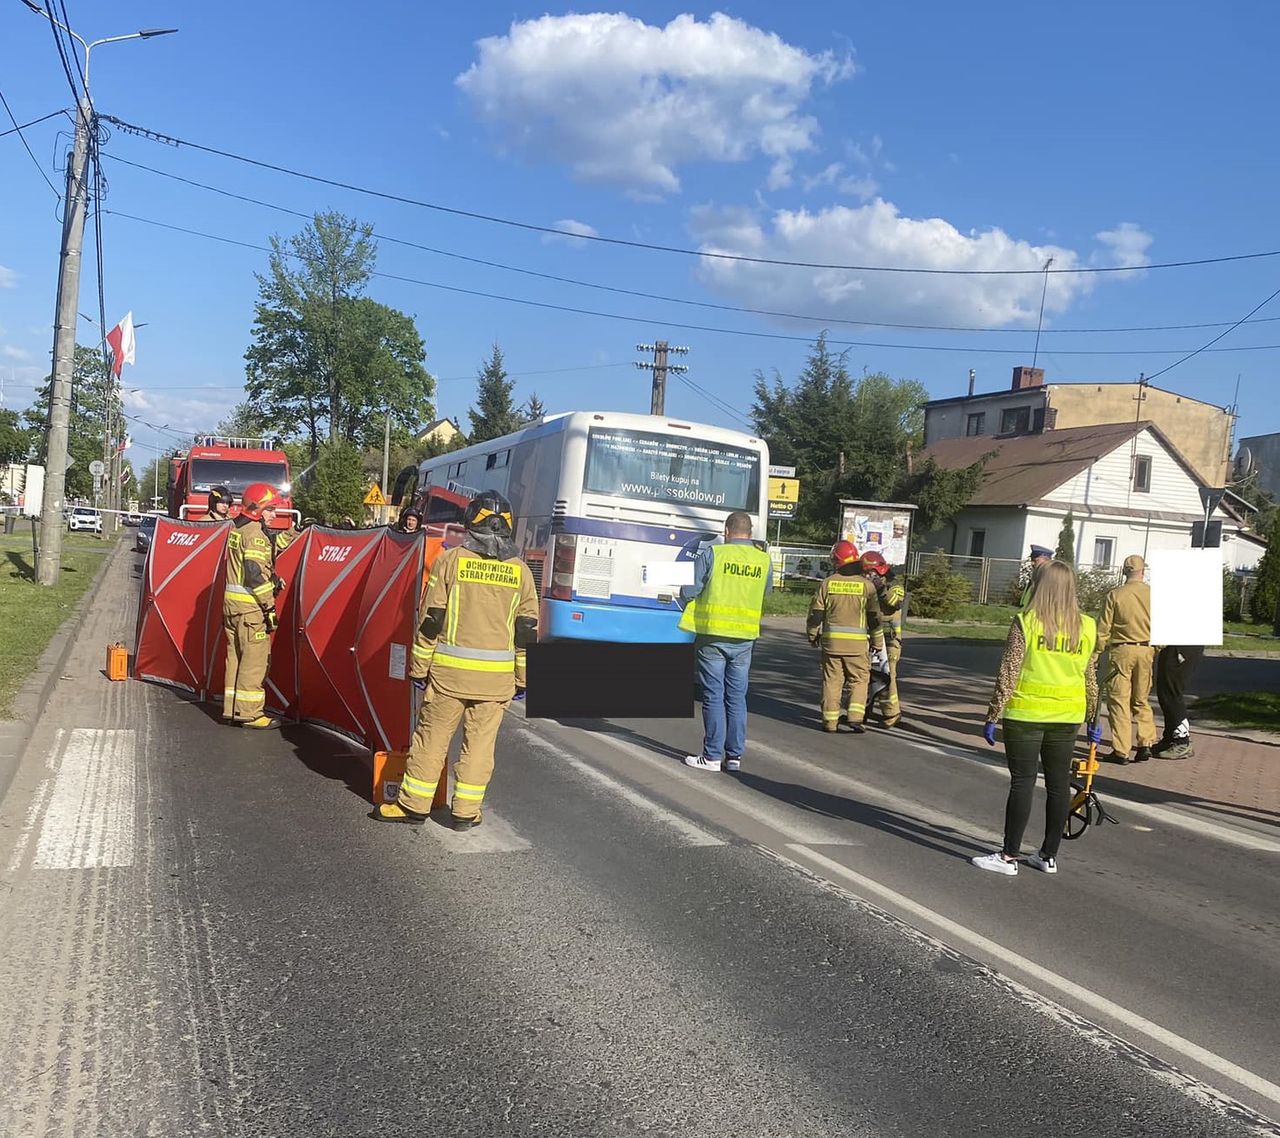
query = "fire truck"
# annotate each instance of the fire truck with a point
(236, 463)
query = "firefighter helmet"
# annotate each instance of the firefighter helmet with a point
(220, 496)
(874, 562)
(488, 512)
(843, 553)
(258, 497)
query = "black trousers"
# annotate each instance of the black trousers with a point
(1174, 669)
(1026, 747)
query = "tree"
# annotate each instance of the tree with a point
(15, 439)
(494, 414)
(243, 422)
(1066, 550)
(153, 483)
(938, 494)
(533, 408)
(325, 359)
(335, 488)
(1264, 601)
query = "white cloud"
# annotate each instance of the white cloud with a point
(20, 355)
(627, 103)
(8, 278)
(877, 234)
(1126, 244)
(572, 230)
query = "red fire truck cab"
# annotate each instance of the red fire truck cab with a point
(218, 460)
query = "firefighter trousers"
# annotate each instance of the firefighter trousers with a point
(429, 751)
(892, 709)
(248, 655)
(1129, 696)
(837, 672)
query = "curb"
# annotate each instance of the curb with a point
(30, 699)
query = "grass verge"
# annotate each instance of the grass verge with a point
(29, 613)
(1257, 709)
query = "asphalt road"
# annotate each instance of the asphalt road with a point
(201, 933)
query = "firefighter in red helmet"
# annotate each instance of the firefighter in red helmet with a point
(845, 619)
(249, 608)
(892, 597)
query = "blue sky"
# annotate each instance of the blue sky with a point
(923, 135)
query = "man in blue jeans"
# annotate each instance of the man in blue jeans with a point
(723, 612)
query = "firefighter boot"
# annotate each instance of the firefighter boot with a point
(394, 812)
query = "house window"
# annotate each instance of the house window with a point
(1015, 420)
(977, 542)
(1103, 552)
(1142, 474)
(976, 424)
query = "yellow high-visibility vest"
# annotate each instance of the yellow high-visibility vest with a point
(729, 604)
(1051, 684)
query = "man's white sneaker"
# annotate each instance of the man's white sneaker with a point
(702, 763)
(995, 863)
(1044, 864)
(732, 763)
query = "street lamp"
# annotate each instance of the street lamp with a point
(49, 559)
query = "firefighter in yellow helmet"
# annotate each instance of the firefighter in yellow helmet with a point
(249, 609)
(844, 618)
(479, 614)
(892, 597)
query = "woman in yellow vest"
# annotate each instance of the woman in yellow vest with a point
(1047, 686)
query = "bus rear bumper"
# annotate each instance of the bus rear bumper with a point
(620, 624)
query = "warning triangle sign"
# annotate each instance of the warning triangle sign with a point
(374, 497)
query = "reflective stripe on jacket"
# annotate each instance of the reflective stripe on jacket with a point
(847, 613)
(1051, 685)
(732, 594)
(892, 602)
(249, 561)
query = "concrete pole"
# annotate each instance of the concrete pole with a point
(49, 561)
(658, 397)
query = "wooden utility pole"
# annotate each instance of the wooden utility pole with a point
(659, 367)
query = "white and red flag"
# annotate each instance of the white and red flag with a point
(122, 344)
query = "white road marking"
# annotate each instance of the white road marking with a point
(1086, 997)
(493, 835)
(692, 835)
(38, 801)
(90, 820)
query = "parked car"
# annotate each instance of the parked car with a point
(146, 531)
(82, 518)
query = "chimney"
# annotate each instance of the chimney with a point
(1027, 377)
(973, 376)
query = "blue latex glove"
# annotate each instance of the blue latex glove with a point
(520, 693)
(1095, 733)
(420, 685)
(989, 734)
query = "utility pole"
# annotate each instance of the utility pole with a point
(659, 367)
(386, 455)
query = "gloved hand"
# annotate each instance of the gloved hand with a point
(277, 583)
(420, 685)
(879, 659)
(520, 694)
(1095, 733)
(989, 734)
(272, 621)
(813, 640)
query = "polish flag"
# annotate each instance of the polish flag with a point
(122, 344)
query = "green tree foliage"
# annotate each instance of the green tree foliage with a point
(1263, 500)
(1231, 596)
(243, 422)
(152, 482)
(325, 359)
(15, 439)
(89, 386)
(334, 489)
(938, 494)
(1066, 550)
(846, 438)
(937, 592)
(533, 408)
(494, 414)
(1264, 602)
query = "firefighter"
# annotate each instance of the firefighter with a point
(845, 618)
(479, 615)
(891, 596)
(249, 609)
(219, 505)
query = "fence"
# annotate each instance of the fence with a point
(998, 580)
(799, 563)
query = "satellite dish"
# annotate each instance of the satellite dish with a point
(1244, 463)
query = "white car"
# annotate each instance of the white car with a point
(82, 518)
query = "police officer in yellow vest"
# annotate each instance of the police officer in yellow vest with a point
(249, 609)
(1046, 687)
(844, 617)
(723, 612)
(480, 613)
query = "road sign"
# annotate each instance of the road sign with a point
(784, 494)
(374, 497)
(96, 468)
(782, 472)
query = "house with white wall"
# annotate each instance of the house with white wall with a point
(1126, 485)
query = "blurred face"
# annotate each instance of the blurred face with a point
(220, 508)
(1040, 559)
(268, 514)
(411, 523)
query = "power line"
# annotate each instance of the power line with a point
(1209, 346)
(26, 145)
(382, 237)
(62, 53)
(18, 128)
(170, 140)
(570, 309)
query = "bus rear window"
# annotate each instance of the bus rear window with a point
(659, 468)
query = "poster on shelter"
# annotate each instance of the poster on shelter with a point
(1186, 596)
(880, 527)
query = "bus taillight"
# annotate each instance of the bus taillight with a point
(562, 565)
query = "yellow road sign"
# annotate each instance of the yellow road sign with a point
(784, 493)
(374, 497)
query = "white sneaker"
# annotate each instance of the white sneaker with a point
(995, 863)
(732, 764)
(1042, 863)
(702, 762)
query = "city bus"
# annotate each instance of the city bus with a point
(610, 511)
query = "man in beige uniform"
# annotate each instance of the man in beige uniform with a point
(1125, 629)
(480, 613)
